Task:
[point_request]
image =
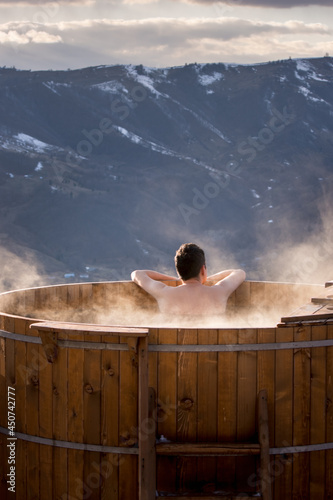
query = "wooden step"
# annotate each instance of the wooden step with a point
(216, 497)
(208, 449)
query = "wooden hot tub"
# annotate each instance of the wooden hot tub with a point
(77, 417)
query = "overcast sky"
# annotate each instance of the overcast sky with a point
(161, 33)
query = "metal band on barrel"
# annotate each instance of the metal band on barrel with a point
(72, 446)
(135, 451)
(177, 347)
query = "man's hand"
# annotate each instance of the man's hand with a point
(154, 275)
(229, 279)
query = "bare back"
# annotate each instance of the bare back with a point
(192, 299)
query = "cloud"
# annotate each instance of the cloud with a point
(276, 4)
(13, 36)
(140, 2)
(168, 30)
(257, 50)
(160, 41)
(49, 3)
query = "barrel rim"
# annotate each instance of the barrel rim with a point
(32, 318)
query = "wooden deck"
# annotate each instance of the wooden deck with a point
(319, 310)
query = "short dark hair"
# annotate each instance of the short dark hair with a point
(189, 259)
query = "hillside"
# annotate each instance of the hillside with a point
(110, 168)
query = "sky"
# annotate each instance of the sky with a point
(72, 34)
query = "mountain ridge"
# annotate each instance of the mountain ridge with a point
(112, 167)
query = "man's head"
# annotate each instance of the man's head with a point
(189, 260)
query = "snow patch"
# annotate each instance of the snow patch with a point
(302, 65)
(315, 99)
(130, 135)
(160, 149)
(25, 143)
(39, 167)
(143, 142)
(305, 67)
(206, 80)
(31, 143)
(144, 80)
(304, 91)
(53, 86)
(307, 93)
(112, 87)
(144, 250)
(50, 86)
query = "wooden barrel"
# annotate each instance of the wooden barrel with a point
(69, 427)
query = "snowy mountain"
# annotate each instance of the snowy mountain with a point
(110, 168)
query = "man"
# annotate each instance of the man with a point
(192, 297)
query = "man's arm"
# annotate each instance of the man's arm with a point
(229, 279)
(150, 281)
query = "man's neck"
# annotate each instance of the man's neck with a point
(193, 281)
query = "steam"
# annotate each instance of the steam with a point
(130, 306)
(285, 257)
(307, 260)
(19, 271)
